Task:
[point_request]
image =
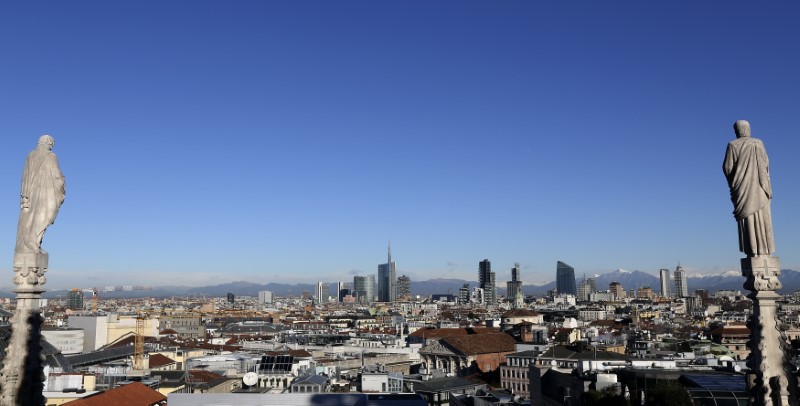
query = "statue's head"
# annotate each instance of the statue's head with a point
(47, 141)
(742, 128)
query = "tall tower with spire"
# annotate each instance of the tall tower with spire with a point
(387, 279)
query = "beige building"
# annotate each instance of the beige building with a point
(100, 330)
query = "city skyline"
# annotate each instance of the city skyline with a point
(203, 143)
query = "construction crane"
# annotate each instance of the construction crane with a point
(95, 292)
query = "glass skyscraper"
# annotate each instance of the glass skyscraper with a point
(565, 279)
(486, 281)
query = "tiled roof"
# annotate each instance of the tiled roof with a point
(482, 343)
(158, 360)
(132, 394)
(520, 313)
(203, 375)
(452, 332)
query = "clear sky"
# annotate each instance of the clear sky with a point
(207, 142)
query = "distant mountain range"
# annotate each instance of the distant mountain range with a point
(628, 279)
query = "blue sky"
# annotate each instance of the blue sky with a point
(206, 142)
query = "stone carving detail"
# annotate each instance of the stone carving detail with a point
(30, 275)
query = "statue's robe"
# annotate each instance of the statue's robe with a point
(746, 167)
(42, 193)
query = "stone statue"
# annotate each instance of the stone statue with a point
(42, 193)
(746, 167)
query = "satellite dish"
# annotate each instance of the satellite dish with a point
(250, 378)
(737, 368)
(553, 362)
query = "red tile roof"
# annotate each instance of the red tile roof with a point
(158, 360)
(482, 343)
(451, 332)
(132, 394)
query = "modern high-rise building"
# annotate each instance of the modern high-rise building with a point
(486, 281)
(231, 298)
(403, 287)
(565, 279)
(665, 282)
(681, 284)
(387, 280)
(592, 284)
(463, 294)
(514, 286)
(584, 291)
(264, 296)
(364, 288)
(75, 299)
(336, 293)
(320, 294)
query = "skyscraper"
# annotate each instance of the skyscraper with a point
(514, 286)
(387, 280)
(337, 291)
(364, 288)
(403, 287)
(681, 284)
(463, 294)
(584, 291)
(320, 293)
(486, 281)
(665, 282)
(565, 279)
(75, 299)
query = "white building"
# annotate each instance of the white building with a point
(67, 340)
(264, 297)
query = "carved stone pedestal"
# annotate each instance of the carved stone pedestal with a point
(22, 375)
(770, 381)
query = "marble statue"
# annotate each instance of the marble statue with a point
(42, 193)
(746, 168)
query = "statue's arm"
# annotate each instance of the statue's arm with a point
(763, 171)
(729, 162)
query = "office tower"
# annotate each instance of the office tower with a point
(486, 281)
(320, 293)
(514, 286)
(230, 298)
(592, 284)
(681, 284)
(665, 282)
(617, 291)
(403, 287)
(75, 299)
(264, 296)
(584, 291)
(463, 294)
(343, 293)
(387, 288)
(364, 288)
(565, 279)
(335, 291)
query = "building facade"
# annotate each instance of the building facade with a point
(681, 284)
(403, 287)
(565, 279)
(387, 280)
(364, 288)
(486, 281)
(665, 283)
(514, 286)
